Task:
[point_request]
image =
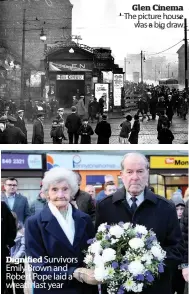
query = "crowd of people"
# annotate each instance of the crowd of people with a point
(153, 102)
(63, 217)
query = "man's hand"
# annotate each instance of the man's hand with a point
(185, 273)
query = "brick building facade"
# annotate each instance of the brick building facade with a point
(54, 16)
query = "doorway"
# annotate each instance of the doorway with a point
(65, 90)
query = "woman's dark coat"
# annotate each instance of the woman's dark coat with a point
(44, 237)
(156, 213)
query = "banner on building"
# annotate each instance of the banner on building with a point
(167, 162)
(21, 161)
(117, 85)
(70, 77)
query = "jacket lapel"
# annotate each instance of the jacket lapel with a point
(120, 197)
(16, 202)
(53, 227)
(80, 226)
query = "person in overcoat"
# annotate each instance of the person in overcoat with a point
(38, 130)
(133, 138)
(85, 131)
(20, 123)
(81, 110)
(135, 203)
(57, 237)
(103, 130)
(73, 123)
(12, 134)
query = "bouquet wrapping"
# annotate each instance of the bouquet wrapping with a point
(124, 257)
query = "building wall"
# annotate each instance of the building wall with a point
(181, 65)
(57, 15)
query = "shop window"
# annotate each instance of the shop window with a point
(153, 180)
(176, 180)
(170, 191)
(161, 190)
(160, 180)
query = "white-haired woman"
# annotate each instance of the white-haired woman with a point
(57, 237)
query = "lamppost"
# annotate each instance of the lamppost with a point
(142, 58)
(42, 38)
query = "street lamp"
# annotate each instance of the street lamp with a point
(71, 50)
(43, 37)
(142, 59)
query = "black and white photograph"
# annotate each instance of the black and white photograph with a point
(94, 72)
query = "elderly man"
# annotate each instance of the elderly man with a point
(90, 189)
(135, 203)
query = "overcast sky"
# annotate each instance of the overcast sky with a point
(99, 24)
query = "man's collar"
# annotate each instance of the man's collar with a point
(140, 197)
(10, 196)
(119, 195)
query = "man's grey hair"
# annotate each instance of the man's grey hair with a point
(57, 175)
(135, 154)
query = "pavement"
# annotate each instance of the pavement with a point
(147, 135)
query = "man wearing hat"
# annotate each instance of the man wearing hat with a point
(13, 134)
(73, 123)
(60, 119)
(38, 130)
(20, 123)
(103, 130)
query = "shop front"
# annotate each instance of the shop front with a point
(27, 169)
(168, 174)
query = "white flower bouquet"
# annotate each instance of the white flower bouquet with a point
(125, 257)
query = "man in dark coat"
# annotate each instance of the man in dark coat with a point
(184, 265)
(20, 123)
(12, 134)
(15, 201)
(83, 201)
(8, 234)
(103, 130)
(38, 130)
(73, 123)
(136, 204)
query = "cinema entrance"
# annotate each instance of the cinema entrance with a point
(68, 86)
(69, 74)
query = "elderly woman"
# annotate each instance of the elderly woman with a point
(57, 236)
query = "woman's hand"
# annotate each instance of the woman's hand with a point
(77, 275)
(86, 275)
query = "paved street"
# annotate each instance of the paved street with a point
(147, 135)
